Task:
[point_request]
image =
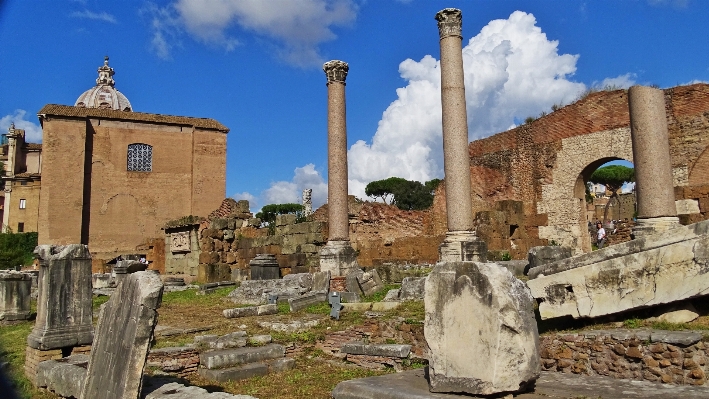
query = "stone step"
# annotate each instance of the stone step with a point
(248, 370)
(225, 358)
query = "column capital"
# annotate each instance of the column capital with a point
(450, 22)
(336, 71)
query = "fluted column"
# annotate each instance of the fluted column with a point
(336, 72)
(460, 243)
(337, 256)
(651, 155)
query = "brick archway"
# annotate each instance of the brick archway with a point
(563, 199)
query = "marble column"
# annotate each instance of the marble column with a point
(651, 156)
(460, 243)
(337, 256)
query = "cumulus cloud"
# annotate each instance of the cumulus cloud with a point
(99, 16)
(33, 132)
(296, 29)
(620, 81)
(512, 70)
(282, 192)
(166, 28)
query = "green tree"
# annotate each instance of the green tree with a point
(16, 249)
(613, 177)
(405, 194)
(268, 212)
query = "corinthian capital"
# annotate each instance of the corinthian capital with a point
(450, 22)
(336, 71)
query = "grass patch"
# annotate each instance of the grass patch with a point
(318, 308)
(413, 312)
(190, 297)
(303, 337)
(633, 323)
(283, 308)
(13, 340)
(379, 295)
(175, 340)
(98, 301)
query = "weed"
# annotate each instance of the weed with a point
(379, 295)
(633, 323)
(318, 308)
(283, 308)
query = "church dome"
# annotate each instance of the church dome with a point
(104, 94)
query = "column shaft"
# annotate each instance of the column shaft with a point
(337, 162)
(651, 153)
(456, 160)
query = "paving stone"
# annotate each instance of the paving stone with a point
(389, 350)
(232, 357)
(235, 373)
(684, 338)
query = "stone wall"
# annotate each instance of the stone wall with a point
(669, 357)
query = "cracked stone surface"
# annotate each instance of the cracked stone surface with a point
(654, 270)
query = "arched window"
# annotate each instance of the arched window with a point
(140, 157)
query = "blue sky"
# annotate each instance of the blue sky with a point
(255, 65)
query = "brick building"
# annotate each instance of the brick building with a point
(113, 177)
(21, 178)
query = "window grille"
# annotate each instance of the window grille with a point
(140, 157)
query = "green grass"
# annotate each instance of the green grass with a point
(379, 295)
(191, 297)
(318, 308)
(633, 323)
(283, 308)
(13, 340)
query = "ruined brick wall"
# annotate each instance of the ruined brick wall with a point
(544, 163)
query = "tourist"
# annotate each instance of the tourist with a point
(601, 235)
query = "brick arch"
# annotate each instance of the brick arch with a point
(561, 199)
(700, 170)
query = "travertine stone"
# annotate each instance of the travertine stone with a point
(653, 270)
(651, 152)
(233, 357)
(15, 290)
(538, 256)
(462, 246)
(123, 335)
(479, 311)
(64, 304)
(338, 257)
(687, 206)
(321, 282)
(338, 219)
(65, 377)
(456, 161)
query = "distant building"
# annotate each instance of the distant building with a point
(113, 177)
(21, 178)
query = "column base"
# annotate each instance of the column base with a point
(339, 258)
(649, 226)
(462, 246)
(61, 337)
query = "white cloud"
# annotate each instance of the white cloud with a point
(296, 28)
(165, 25)
(693, 81)
(620, 81)
(282, 192)
(511, 71)
(33, 132)
(99, 16)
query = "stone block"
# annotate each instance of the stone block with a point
(240, 312)
(212, 273)
(260, 339)
(679, 316)
(687, 206)
(228, 235)
(392, 295)
(231, 258)
(306, 300)
(657, 269)
(264, 310)
(209, 257)
(64, 304)
(117, 360)
(352, 282)
(315, 238)
(370, 282)
(176, 390)
(219, 224)
(15, 288)
(257, 291)
(100, 280)
(206, 244)
(281, 365)
(321, 282)
(264, 267)
(384, 306)
(479, 311)
(388, 350)
(412, 288)
(282, 220)
(235, 373)
(220, 359)
(65, 377)
(212, 233)
(538, 256)
(356, 306)
(350, 297)
(309, 248)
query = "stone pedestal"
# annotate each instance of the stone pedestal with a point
(339, 258)
(480, 330)
(462, 246)
(651, 156)
(15, 290)
(64, 304)
(264, 267)
(120, 271)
